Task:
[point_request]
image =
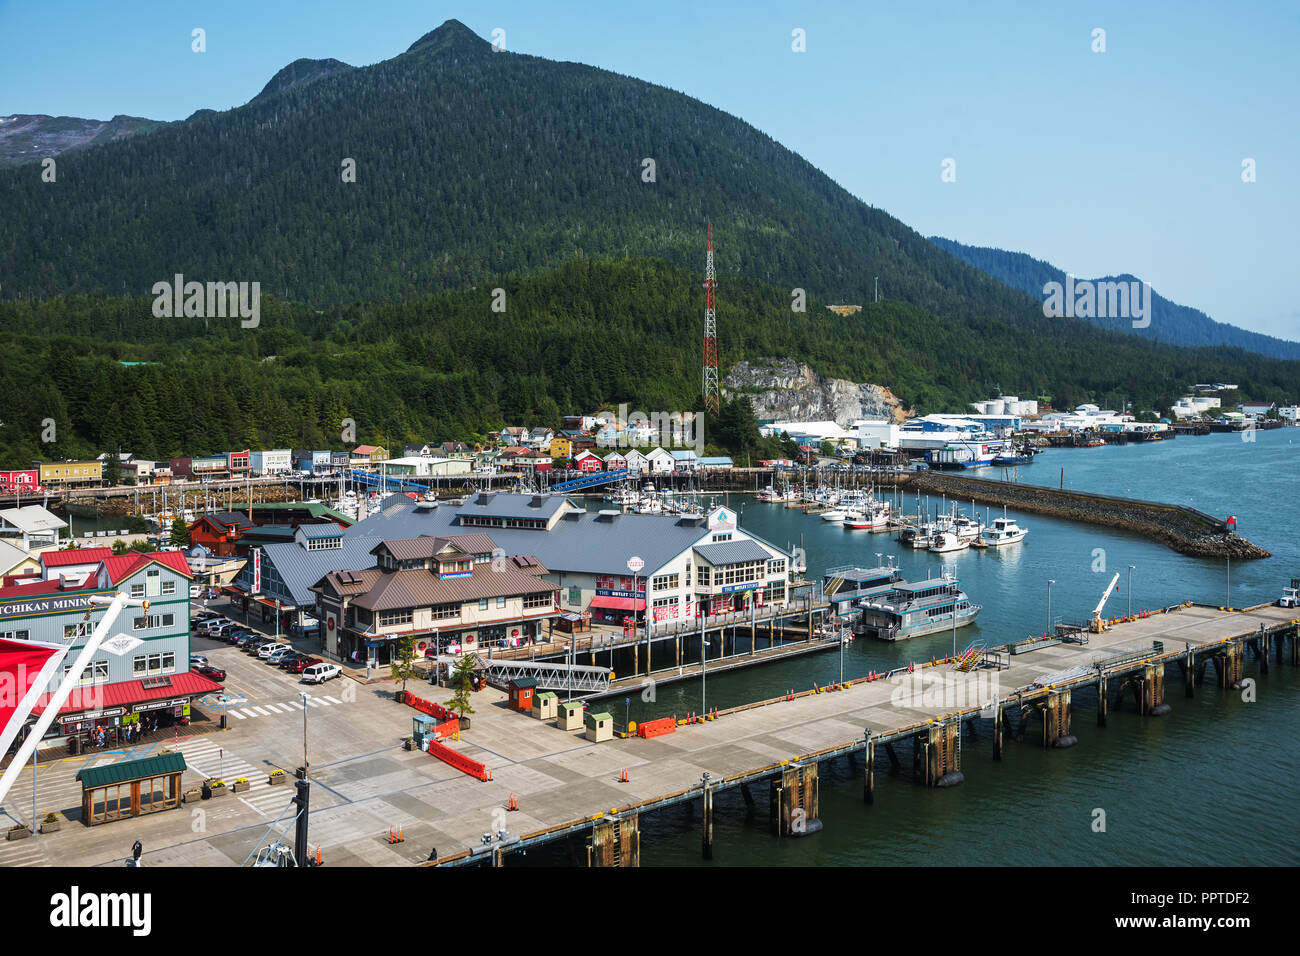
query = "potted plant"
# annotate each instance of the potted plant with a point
(192, 795)
(461, 680)
(216, 788)
(241, 784)
(277, 777)
(403, 666)
(17, 832)
(51, 823)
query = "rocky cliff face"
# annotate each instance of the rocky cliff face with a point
(785, 390)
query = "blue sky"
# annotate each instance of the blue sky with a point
(1123, 161)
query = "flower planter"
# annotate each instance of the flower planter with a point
(277, 778)
(18, 833)
(214, 792)
(51, 826)
(400, 697)
(191, 796)
(240, 787)
(464, 723)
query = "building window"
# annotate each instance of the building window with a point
(73, 631)
(169, 587)
(501, 601)
(722, 537)
(442, 612)
(137, 591)
(666, 582)
(393, 618)
(95, 672)
(776, 566)
(482, 604)
(15, 635)
(539, 600)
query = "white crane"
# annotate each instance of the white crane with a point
(1096, 626)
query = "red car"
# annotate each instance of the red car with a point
(211, 673)
(300, 665)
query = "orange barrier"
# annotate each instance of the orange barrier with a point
(429, 707)
(654, 728)
(459, 761)
(447, 728)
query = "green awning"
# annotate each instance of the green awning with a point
(127, 770)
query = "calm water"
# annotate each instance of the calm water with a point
(1197, 787)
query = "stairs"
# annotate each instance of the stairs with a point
(618, 843)
(970, 658)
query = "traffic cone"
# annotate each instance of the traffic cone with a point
(318, 860)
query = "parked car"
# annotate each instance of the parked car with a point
(246, 638)
(239, 632)
(269, 648)
(195, 591)
(198, 660)
(222, 632)
(279, 654)
(204, 616)
(320, 673)
(300, 664)
(290, 659)
(255, 643)
(211, 673)
(212, 624)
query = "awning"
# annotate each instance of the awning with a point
(123, 694)
(606, 602)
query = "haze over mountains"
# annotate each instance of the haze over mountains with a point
(478, 170)
(1170, 322)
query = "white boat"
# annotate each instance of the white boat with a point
(949, 540)
(835, 515)
(912, 610)
(871, 520)
(1003, 531)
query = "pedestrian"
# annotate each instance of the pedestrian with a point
(136, 849)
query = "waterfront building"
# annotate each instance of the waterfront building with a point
(38, 526)
(70, 474)
(72, 566)
(363, 456)
(274, 462)
(426, 467)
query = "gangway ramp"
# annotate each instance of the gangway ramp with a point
(591, 481)
(579, 678)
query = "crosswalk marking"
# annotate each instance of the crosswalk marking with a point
(264, 713)
(332, 700)
(235, 713)
(321, 700)
(248, 711)
(313, 702)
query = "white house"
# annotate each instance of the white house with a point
(274, 462)
(684, 461)
(636, 462)
(661, 462)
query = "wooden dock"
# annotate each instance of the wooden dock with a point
(566, 787)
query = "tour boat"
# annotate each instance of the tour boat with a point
(912, 610)
(949, 540)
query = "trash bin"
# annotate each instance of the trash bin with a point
(224, 718)
(74, 745)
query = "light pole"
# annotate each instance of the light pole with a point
(1130, 590)
(303, 695)
(1050, 582)
(1229, 558)
(703, 661)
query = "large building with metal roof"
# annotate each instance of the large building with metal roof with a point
(681, 572)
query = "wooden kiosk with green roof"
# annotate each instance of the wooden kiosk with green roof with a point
(131, 788)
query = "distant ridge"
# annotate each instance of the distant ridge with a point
(1170, 322)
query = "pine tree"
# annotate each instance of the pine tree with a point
(460, 680)
(180, 533)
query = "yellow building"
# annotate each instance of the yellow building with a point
(561, 447)
(71, 472)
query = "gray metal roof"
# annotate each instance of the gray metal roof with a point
(731, 552)
(580, 542)
(504, 505)
(331, 530)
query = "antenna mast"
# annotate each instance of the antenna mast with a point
(711, 392)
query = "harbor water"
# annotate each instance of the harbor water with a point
(1199, 786)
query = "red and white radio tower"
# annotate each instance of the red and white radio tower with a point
(711, 395)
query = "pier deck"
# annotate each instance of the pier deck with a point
(565, 784)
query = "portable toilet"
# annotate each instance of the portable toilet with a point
(600, 727)
(522, 690)
(544, 705)
(570, 715)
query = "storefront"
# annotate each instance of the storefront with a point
(121, 713)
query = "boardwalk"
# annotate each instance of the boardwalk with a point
(565, 785)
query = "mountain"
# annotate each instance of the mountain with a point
(29, 138)
(470, 165)
(1170, 322)
(300, 73)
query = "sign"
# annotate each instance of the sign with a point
(722, 519)
(635, 564)
(55, 604)
(748, 586)
(95, 715)
(119, 644)
(257, 570)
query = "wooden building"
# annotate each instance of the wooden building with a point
(131, 788)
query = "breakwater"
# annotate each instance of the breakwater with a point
(1183, 529)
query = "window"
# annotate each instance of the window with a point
(153, 620)
(544, 599)
(482, 604)
(501, 601)
(776, 566)
(443, 611)
(722, 537)
(73, 631)
(95, 672)
(169, 587)
(703, 575)
(15, 635)
(137, 591)
(138, 666)
(667, 582)
(393, 618)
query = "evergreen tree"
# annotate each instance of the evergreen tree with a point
(180, 533)
(460, 682)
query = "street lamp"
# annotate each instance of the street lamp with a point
(1049, 605)
(703, 661)
(1130, 590)
(303, 694)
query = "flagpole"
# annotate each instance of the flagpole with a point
(71, 680)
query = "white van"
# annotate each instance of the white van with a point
(267, 650)
(320, 673)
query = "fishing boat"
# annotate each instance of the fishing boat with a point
(947, 541)
(870, 519)
(911, 610)
(835, 515)
(1003, 531)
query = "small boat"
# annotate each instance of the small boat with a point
(1003, 531)
(1005, 461)
(950, 540)
(835, 515)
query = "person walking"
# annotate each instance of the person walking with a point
(136, 849)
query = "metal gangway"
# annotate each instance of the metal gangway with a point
(591, 481)
(394, 483)
(579, 678)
